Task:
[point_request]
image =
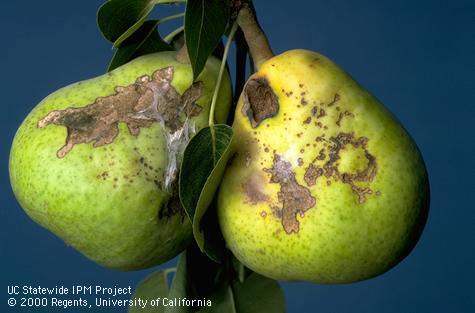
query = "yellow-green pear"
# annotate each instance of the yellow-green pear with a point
(326, 185)
(96, 162)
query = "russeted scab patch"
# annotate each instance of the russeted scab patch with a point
(150, 99)
(260, 101)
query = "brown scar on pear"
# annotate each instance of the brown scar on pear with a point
(253, 189)
(259, 101)
(295, 198)
(150, 99)
(330, 167)
(336, 98)
(342, 115)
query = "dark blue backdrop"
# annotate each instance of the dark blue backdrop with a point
(416, 56)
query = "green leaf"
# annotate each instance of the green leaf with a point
(152, 287)
(180, 285)
(258, 294)
(144, 41)
(121, 18)
(196, 277)
(205, 24)
(222, 301)
(203, 165)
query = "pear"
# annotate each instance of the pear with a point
(326, 185)
(96, 162)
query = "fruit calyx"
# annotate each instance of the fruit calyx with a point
(260, 101)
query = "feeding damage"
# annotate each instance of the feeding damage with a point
(259, 101)
(295, 198)
(330, 168)
(253, 188)
(150, 99)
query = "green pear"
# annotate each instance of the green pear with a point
(326, 185)
(96, 162)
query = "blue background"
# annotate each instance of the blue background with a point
(416, 56)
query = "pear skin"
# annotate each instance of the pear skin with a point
(326, 185)
(95, 162)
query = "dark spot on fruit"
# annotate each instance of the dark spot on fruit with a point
(263, 214)
(150, 99)
(266, 149)
(321, 155)
(300, 85)
(307, 120)
(336, 98)
(302, 150)
(366, 175)
(295, 198)
(318, 113)
(300, 161)
(276, 212)
(158, 184)
(260, 101)
(173, 205)
(343, 114)
(247, 155)
(311, 174)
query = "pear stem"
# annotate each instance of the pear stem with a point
(221, 72)
(168, 1)
(256, 39)
(171, 17)
(168, 38)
